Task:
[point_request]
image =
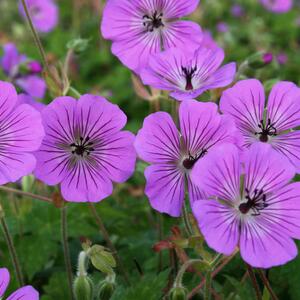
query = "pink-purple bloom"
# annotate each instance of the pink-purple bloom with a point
(44, 14)
(250, 204)
(187, 75)
(21, 133)
(23, 293)
(139, 28)
(273, 122)
(173, 152)
(277, 6)
(208, 41)
(22, 71)
(84, 149)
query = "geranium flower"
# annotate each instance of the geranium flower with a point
(84, 149)
(22, 71)
(188, 75)
(44, 14)
(277, 6)
(140, 28)
(251, 206)
(21, 133)
(173, 153)
(24, 293)
(272, 124)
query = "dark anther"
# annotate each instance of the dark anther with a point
(256, 203)
(267, 129)
(189, 74)
(82, 147)
(189, 162)
(153, 22)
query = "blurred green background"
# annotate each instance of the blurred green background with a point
(129, 219)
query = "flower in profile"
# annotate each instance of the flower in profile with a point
(277, 6)
(24, 293)
(44, 14)
(22, 71)
(21, 133)
(272, 122)
(84, 149)
(140, 28)
(251, 205)
(187, 75)
(174, 153)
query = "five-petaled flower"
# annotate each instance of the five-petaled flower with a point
(24, 293)
(250, 203)
(84, 148)
(187, 75)
(245, 102)
(173, 154)
(139, 28)
(44, 14)
(21, 133)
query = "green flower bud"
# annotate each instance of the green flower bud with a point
(106, 290)
(83, 288)
(260, 60)
(178, 293)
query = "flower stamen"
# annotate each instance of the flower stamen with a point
(189, 73)
(82, 147)
(267, 130)
(256, 203)
(153, 22)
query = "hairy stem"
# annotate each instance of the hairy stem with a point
(186, 221)
(254, 282)
(109, 242)
(64, 237)
(267, 284)
(11, 248)
(26, 194)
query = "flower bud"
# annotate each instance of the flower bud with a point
(34, 67)
(178, 293)
(260, 60)
(106, 290)
(83, 288)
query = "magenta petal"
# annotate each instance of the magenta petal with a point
(8, 98)
(180, 33)
(266, 170)
(288, 144)
(26, 99)
(179, 8)
(218, 224)
(11, 59)
(165, 188)
(44, 14)
(117, 156)
(158, 140)
(195, 193)
(264, 246)
(245, 103)
(33, 85)
(4, 280)
(86, 183)
(278, 6)
(283, 210)
(218, 173)
(25, 293)
(283, 106)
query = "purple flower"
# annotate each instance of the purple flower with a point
(277, 6)
(44, 14)
(22, 71)
(173, 153)
(222, 27)
(24, 293)
(21, 133)
(140, 28)
(272, 122)
(188, 75)
(208, 41)
(237, 10)
(250, 205)
(26, 99)
(282, 58)
(84, 149)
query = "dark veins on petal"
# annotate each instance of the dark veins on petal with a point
(267, 129)
(190, 161)
(256, 203)
(189, 73)
(82, 147)
(153, 21)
